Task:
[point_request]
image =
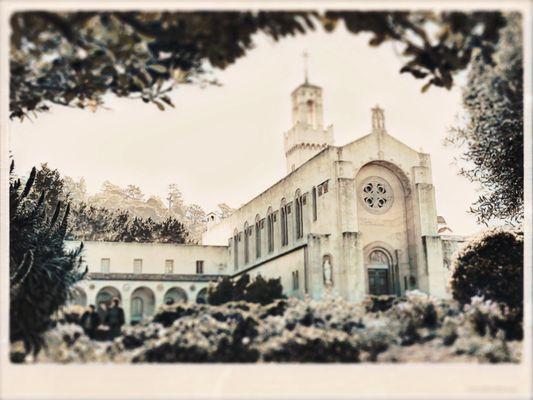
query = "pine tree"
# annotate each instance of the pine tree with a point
(42, 272)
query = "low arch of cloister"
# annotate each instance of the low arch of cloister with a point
(96, 291)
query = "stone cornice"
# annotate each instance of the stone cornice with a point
(118, 276)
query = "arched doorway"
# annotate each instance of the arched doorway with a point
(201, 297)
(142, 304)
(106, 294)
(175, 295)
(380, 279)
(78, 297)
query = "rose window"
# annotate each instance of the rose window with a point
(376, 195)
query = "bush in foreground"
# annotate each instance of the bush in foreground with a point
(492, 267)
(417, 328)
(258, 290)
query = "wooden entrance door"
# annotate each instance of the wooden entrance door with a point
(378, 281)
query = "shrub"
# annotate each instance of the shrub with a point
(259, 290)
(492, 267)
(417, 328)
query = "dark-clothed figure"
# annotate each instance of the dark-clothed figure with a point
(115, 319)
(90, 321)
(102, 311)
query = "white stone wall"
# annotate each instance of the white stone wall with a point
(153, 281)
(343, 229)
(153, 255)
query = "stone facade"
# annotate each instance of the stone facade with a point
(145, 275)
(365, 210)
(352, 220)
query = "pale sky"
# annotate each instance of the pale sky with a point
(225, 144)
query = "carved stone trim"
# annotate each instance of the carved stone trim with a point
(376, 195)
(117, 276)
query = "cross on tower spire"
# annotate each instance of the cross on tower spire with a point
(305, 56)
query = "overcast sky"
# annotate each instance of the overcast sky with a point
(225, 144)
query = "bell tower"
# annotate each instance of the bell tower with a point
(307, 137)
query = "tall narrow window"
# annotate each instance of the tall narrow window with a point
(104, 265)
(169, 266)
(298, 214)
(270, 230)
(314, 203)
(283, 223)
(199, 267)
(295, 280)
(258, 227)
(246, 243)
(138, 266)
(236, 250)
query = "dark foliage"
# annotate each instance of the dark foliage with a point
(90, 222)
(41, 271)
(259, 290)
(492, 140)
(492, 267)
(98, 223)
(74, 58)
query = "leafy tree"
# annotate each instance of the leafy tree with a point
(196, 222)
(171, 231)
(493, 139)
(176, 205)
(50, 181)
(76, 190)
(41, 271)
(133, 192)
(435, 46)
(75, 58)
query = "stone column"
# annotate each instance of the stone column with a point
(435, 267)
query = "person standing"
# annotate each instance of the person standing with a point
(90, 321)
(102, 311)
(115, 319)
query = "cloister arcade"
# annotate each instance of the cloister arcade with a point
(139, 300)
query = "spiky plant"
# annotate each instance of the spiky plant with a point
(42, 272)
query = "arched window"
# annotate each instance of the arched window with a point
(236, 249)
(258, 228)
(283, 225)
(106, 294)
(246, 243)
(298, 214)
(270, 230)
(175, 295)
(201, 297)
(78, 296)
(142, 303)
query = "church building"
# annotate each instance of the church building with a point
(350, 220)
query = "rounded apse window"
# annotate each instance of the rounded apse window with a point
(376, 195)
